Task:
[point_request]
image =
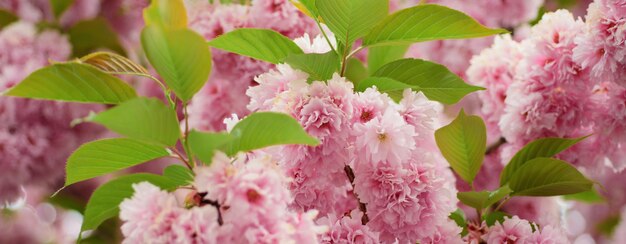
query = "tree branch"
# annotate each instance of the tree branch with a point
(362, 206)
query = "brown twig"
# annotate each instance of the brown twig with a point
(217, 205)
(362, 206)
(495, 146)
(181, 157)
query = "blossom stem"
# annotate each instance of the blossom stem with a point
(186, 135)
(181, 157)
(502, 203)
(362, 206)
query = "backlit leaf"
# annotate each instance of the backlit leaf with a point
(463, 143)
(73, 82)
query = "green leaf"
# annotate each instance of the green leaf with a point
(90, 35)
(143, 119)
(6, 18)
(544, 147)
(167, 14)
(608, 225)
(181, 57)
(548, 177)
(178, 174)
(492, 217)
(381, 55)
(104, 202)
(262, 44)
(320, 67)
(483, 199)
(265, 129)
(459, 218)
(114, 64)
(463, 143)
(204, 145)
(355, 71)
(352, 19)
(109, 155)
(590, 197)
(75, 83)
(426, 22)
(392, 87)
(59, 6)
(434, 80)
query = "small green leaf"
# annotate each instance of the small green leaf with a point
(590, 197)
(265, 129)
(167, 14)
(90, 35)
(355, 71)
(178, 174)
(434, 80)
(6, 18)
(544, 147)
(59, 6)
(262, 44)
(143, 119)
(492, 217)
(204, 145)
(109, 155)
(320, 67)
(426, 22)
(75, 83)
(459, 217)
(548, 177)
(114, 64)
(352, 19)
(181, 57)
(104, 202)
(463, 143)
(381, 55)
(483, 199)
(608, 225)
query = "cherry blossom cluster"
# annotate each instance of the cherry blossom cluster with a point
(546, 86)
(561, 81)
(244, 201)
(516, 230)
(375, 174)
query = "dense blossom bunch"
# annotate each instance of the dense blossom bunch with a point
(240, 202)
(537, 88)
(232, 74)
(375, 153)
(35, 136)
(559, 82)
(516, 230)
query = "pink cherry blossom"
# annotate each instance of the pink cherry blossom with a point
(512, 230)
(348, 229)
(388, 138)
